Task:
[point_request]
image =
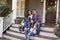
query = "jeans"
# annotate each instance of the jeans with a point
(20, 28)
(28, 36)
(38, 29)
(25, 25)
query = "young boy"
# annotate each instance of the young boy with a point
(24, 24)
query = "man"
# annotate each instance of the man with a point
(37, 20)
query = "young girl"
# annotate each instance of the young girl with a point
(31, 30)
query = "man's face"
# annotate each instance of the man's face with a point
(34, 11)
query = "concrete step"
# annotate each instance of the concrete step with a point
(48, 34)
(46, 29)
(42, 35)
(22, 35)
(10, 37)
(16, 25)
(4, 38)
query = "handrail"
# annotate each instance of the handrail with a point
(7, 21)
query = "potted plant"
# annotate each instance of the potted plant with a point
(57, 29)
(4, 10)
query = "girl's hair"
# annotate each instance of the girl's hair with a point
(31, 23)
(28, 12)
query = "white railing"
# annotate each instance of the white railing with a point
(1, 26)
(7, 21)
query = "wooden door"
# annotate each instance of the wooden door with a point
(50, 17)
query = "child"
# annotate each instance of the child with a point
(31, 30)
(22, 24)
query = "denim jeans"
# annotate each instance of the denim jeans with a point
(20, 28)
(38, 29)
(28, 36)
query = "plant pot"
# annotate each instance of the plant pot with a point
(16, 21)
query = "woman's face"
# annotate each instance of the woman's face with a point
(34, 11)
(32, 21)
(29, 12)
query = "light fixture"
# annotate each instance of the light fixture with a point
(41, 1)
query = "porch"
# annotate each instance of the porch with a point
(20, 8)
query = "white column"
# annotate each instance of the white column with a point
(14, 8)
(1, 27)
(57, 13)
(44, 11)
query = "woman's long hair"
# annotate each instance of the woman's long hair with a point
(28, 12)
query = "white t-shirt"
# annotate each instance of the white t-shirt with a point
(30, 16)
(33, 31)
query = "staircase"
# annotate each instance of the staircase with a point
(13, 33)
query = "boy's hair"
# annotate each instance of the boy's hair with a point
(34, 9)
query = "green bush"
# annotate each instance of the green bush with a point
(57, 28)
(4, 10)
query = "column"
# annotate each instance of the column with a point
(44, 11)
(57, 13)
(14, 8)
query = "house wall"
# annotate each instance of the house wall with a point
(9, 2)
(2, 1)
(36, 4)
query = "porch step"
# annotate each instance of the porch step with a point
(18, 35)
(42, 33)
(10, 37)
(46, 33)
(48, 29)
(4, 38)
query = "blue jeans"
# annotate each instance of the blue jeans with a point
(20, 28)
(38, 29)
(25, 25)
(28, 36)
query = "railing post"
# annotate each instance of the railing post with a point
(1, 27)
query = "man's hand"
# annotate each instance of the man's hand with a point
(29, 33)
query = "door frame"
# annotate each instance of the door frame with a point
(44, 11)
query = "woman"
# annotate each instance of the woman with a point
(31, 30)
(30, 15)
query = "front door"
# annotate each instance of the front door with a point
(50, 17)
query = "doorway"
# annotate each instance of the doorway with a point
(50, 15)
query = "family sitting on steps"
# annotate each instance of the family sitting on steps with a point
(31, 26)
